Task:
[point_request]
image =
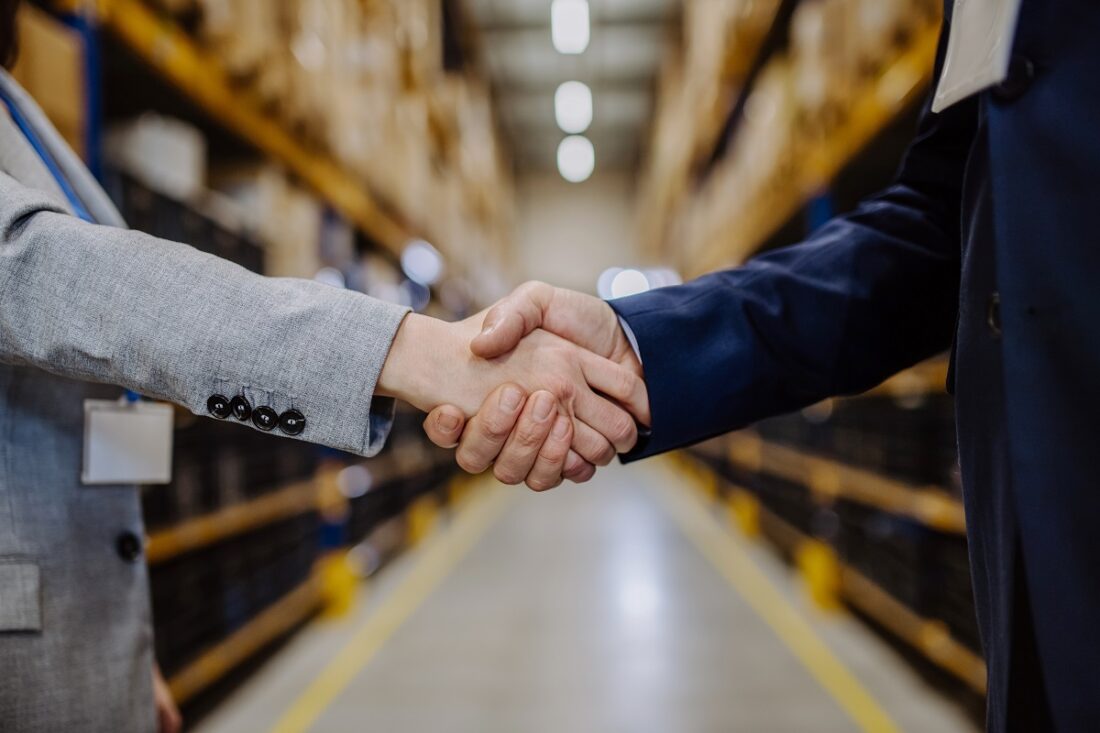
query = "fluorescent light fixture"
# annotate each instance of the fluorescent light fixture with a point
(354, 481)
(603, 283)
(330, 276)
(422, 262)
(629, 282)
(573, 107)
(576, 158)
(569, 27)
(615, 282)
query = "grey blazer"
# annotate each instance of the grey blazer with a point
(83, 306)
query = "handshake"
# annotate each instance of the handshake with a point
(544, 386)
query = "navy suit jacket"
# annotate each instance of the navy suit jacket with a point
(987, 239)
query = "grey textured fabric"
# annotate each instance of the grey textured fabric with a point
(20, 605)
(83, 306)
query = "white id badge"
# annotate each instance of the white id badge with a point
(978, 49)
(127, 443)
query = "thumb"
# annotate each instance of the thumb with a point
(507, 322)
(444, 425)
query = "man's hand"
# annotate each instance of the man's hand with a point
(585, 320)
(508, 434)
(430, 363)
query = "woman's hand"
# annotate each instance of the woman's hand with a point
(168, 715)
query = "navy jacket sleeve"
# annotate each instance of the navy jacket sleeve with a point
(870, 293)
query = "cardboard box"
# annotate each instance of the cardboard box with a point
(51, 68)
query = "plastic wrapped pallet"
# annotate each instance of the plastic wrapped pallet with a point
(823, 64)
(168, 154)
(287, 218)
(420, 38)
(764, 145)
(243, 34)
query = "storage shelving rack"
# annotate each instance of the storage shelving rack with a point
(412, 493)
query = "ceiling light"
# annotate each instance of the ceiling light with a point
(573, 107)
(576, 158)
(330, 276)
(422, 262)
(603, 283)
(569, 25)
(629, 282)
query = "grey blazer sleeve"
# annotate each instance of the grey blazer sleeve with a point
(116, 306)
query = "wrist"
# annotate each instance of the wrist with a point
(430, 364)
(411, 370)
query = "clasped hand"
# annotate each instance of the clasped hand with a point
(543, 386)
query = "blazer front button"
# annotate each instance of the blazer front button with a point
(265, 418)
(128, 546)
(241, 409)
(218, 406)
(1021, 72)
(292, 422)
(993, 315)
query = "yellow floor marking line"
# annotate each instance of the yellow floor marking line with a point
(730, 559)
(437, 557)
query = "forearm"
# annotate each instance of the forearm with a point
(163, 319)
(835, 315)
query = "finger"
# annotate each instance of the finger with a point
(618, 383)
(547, 471)
(487, 431)
(577, 469)
(523, 445)
(507, 322)
(170, 720)
(591, 445)
(444, 425)
(611, 421)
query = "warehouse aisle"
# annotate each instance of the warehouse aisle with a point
(622, 605)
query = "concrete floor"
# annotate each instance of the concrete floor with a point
(587, 609)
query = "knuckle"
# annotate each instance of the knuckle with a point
(528, 437)
(563, 388)
(628, 383)
(466, 463)
(540, 484)
(553, 452)
(605, 454)
(624, 431)
(532, 286)
(496, 427)
(580, 473)
(507, 475)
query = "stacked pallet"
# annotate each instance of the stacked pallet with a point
(697, 84)
(871, 481)
(364, 80)
(823, 65)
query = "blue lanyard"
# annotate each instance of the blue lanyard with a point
(55, 170)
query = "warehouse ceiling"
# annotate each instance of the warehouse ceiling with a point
(628, 40)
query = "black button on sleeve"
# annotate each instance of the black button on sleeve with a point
(128, 546)
(292, 422)
(1021, 72)
(218, 406)
(242, 410)
(265, 418)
